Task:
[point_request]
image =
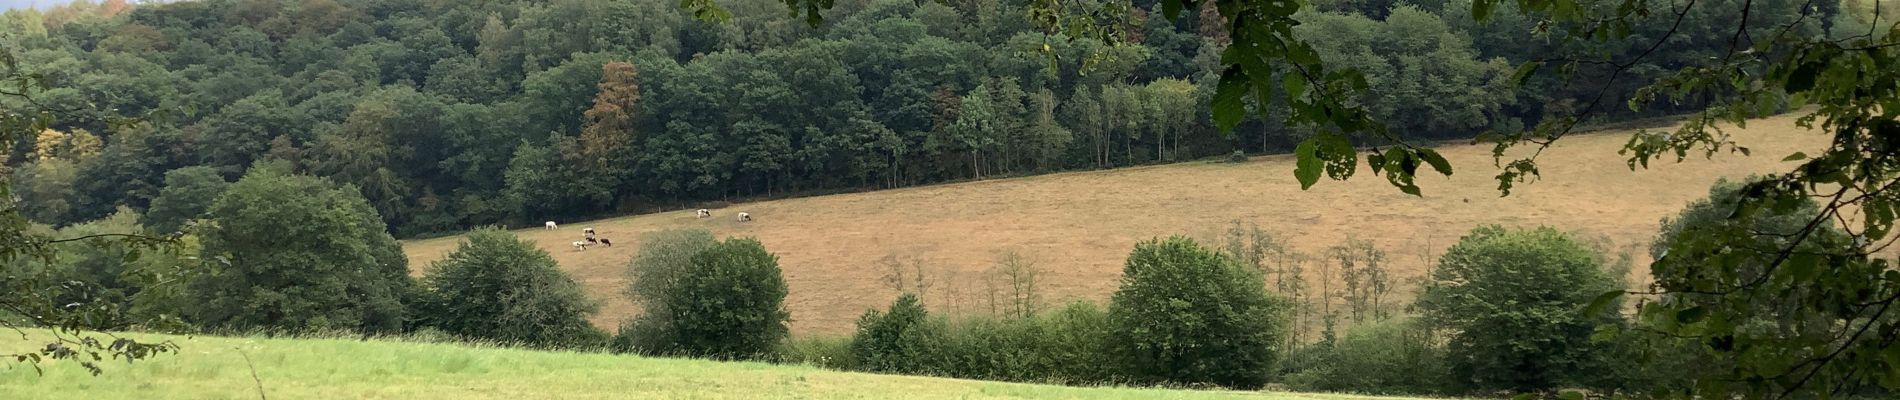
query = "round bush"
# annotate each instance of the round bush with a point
(881, 341)
(663, 257)
(498, 287)
(1513, 301)
(731, 306)
(1186, 314)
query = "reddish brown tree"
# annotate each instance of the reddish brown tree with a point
(608, 126)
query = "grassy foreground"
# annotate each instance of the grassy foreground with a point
(215, 368)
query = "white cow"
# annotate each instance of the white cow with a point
(551, 225)
(745, 217)
(703, 213)
(579, 245)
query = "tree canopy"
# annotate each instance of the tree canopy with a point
(335, 268)
(451, 115)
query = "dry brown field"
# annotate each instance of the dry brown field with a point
(1079, 226)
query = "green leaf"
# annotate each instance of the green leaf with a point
(132, 255)
(1394, 162)
(1525, 71)
(1601, 302)
(1308, 167)
(1802, 78)
(1438, 162)
(1229, 105)
(1303, 55)
(1691, 314)
(1606, 333)
(1797, 156)
(1295, 86)
(1481, 9)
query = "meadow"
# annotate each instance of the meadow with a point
(210, 367)
(1079, 226)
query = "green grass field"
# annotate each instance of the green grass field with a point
(215, 368)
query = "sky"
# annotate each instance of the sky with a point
(12, 4)
(42, 4)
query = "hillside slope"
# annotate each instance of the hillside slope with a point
(1079, 226)
(216, 367)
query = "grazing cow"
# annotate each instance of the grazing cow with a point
(588, 233)
(608, 243)
(703, 213)
(745, 217)
(552, 225)
(580, 246)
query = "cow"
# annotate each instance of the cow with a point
(745, 217)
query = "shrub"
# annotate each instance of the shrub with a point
(1237, 157)
(1189, 315)
(1787, 299)
(299, 254)
(651, 274)
(885, 341)
(1380, 357)
(732, 304)
(1513, 301)
(1068, 345)
(497, 287)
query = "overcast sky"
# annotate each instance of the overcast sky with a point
(12, 4)
(42, 4)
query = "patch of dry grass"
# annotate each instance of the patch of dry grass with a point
(1079, 226)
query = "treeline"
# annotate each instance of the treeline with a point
(448, 115)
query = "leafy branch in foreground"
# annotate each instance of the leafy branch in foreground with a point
(75, 313)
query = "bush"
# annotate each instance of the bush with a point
(1066, 346)
(732, 304)
(1787, 298)
(1514, 303)
(1189, 315)
(885, 342)
(497, 287)
(1380, 357)
(299, 254)
(651, 274)
(1237, 157)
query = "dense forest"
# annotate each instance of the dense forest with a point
(451, 114)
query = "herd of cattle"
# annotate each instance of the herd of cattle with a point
(588, 238)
